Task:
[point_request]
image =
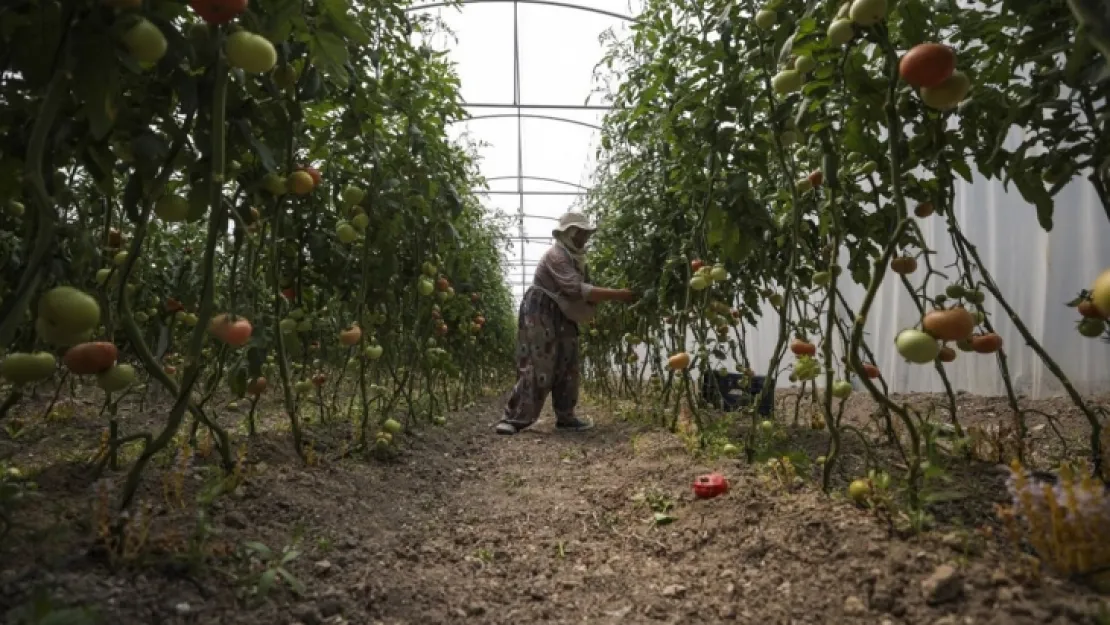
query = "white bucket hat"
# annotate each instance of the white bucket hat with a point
(573, 220)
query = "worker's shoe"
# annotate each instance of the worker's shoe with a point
(574, 424)
(506, 428)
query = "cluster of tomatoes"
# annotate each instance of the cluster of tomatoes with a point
(68, 318)
(948, 325)
(1093, 307)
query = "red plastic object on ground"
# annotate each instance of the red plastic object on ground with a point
(710, 485)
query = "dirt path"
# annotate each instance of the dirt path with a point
(468, 527)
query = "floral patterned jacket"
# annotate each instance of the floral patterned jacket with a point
(558, 277)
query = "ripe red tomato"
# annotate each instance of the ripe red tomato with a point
(816, 178)
(218, 11)
(696, 264)
(238, 333)
(289, 293)
(927, 65)
(235, 333)
(1088, 309)
(174, 305)
(315, 173)
(803, 348)
(710, 485)
(91, 358)
(442, 284)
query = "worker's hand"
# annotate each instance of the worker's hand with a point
(626, 296)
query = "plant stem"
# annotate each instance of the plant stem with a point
(216, 221)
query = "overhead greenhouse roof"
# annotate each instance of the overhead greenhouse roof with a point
(527, 69)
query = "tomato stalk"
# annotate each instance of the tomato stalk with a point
(831, 422)
(131, 329)
(14, 308)
(945, 195)
(288, 398)
(1049, 362)
(1100, 172)
(917, 295)
(895, 142)
(846, 337)
(216, 220)
(360, 310)
(857, 364)
(211, 385)
(770, 379)
(949, 393)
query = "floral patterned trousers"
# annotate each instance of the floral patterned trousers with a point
(546, 362)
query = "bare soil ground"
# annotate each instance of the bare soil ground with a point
(543, 527)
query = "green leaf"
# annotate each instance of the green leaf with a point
(35, 58)
(100, 164)
(265, 156)
(266, 581)
(344, 24)
(237, 380)
(282, 16)
(150, 152)
(259, 548)
(1033, 191)
(914, 19)
(96, 79)
(960, 166)
(132, 195)
(185, 85)
(662, 518)
(294, 584)
(329, 52)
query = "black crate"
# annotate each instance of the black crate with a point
(729, 396)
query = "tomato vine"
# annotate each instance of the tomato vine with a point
(798, 145)
(241, 192)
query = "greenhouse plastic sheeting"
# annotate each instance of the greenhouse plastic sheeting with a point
(1037, 272)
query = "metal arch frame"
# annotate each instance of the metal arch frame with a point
(560, 107)
(494, 192)
(531, 216)
(561, 5)
(540, 179)
(553, 118)
(518, 107)
(580, 190)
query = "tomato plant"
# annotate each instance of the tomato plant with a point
(224, 197)
(796, 145)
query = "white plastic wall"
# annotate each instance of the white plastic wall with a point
(1037, 271)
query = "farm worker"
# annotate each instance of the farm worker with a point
(559, 299)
